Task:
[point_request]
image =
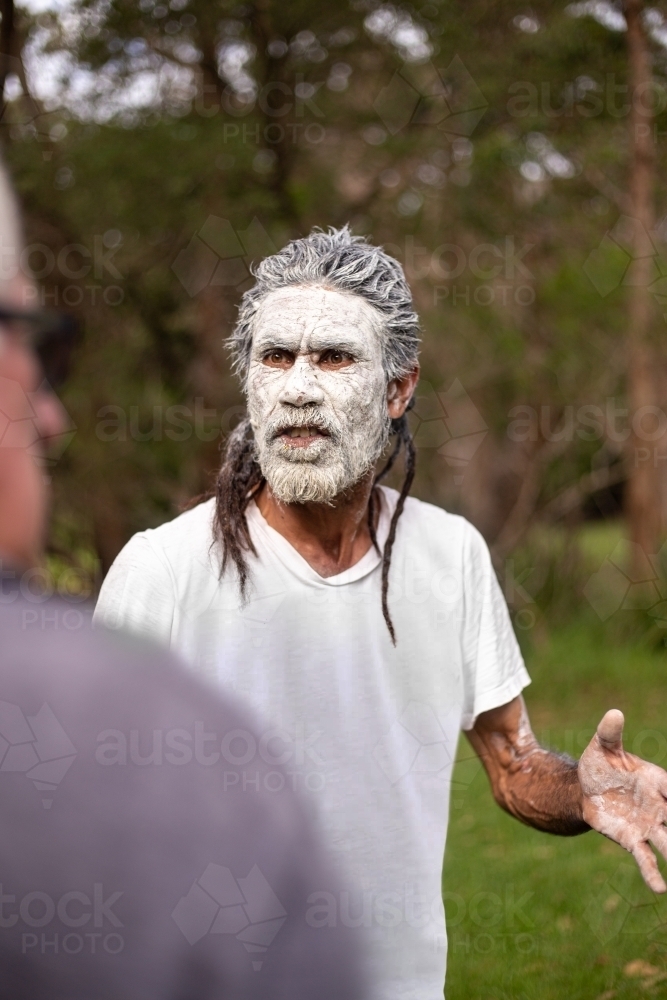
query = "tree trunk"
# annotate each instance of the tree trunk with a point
(643, 495)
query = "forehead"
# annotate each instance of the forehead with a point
(302, 310)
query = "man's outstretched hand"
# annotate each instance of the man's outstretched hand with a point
(625, 797)
(608, 790)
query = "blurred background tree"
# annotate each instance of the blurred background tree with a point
(160, 148)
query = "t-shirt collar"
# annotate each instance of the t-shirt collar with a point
(295, 562)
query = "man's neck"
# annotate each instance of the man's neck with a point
(331, 538)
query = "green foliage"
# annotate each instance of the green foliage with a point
(542, 917)
(489, 167)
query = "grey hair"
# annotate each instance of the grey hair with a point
(339, 260)
(11, 235)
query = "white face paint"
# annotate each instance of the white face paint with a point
(316, 392)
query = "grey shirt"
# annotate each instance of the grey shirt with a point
(143, 852)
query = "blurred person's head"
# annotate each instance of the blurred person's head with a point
(29, 412)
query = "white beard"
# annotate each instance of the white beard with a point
(330, 465)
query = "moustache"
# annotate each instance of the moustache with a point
(306, 416)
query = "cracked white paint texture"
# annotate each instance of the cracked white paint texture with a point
(625, 797)
(349, 403)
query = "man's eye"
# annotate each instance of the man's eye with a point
(277, 357)
(336, 358)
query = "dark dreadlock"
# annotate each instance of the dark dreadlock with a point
(401, 429)
(344, 262)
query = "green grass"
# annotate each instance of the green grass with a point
(537, 917)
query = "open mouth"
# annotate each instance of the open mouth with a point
(300, 436)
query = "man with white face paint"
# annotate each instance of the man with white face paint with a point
(343, 419)
(366, 628)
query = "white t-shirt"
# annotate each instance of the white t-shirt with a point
(367, 731)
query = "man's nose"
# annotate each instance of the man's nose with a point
(301, 387)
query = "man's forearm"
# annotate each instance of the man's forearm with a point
(622, 796)
(537, 786)
(543, 791)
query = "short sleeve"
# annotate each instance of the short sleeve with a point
(494, 671)
(138, 594)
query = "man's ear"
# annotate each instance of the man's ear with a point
(399, 393)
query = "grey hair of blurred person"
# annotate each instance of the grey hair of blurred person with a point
(340, 261)
(12, 283)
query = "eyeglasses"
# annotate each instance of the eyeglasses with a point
(52, 335)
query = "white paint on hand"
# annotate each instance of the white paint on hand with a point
(625, 797)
